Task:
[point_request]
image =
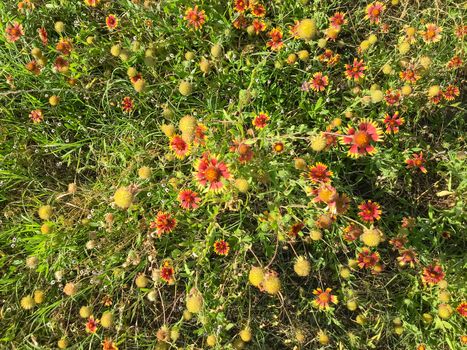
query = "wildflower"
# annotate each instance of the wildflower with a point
(123, 198)
(362, 138)
(323, 298)
(341, 204)
(374, 12)
(432, 274)
(278, 147)
(167, 272)
(212, 172)
(355, 71)
(417, 161)
(295, 229)
(407, 257)
(195, 17)
(240, 22)
(326, 194)
(188, 199)
(306, 29)
(258, 26)
(410, 33)
(109, 345)
(36, 116)
(127, 104)
(409, 75)
(462, 309)
(319, 173)
(275, 43)
(305, 86)
(64, 46)
(261, 120)
(432, 33)
(460, 31)
(221, 247)
(451, 92)
(111, 21)
(14, 32)
(337, 20)
(257, 10)
(455, 62)
(352, 232)
(43, 35)
(319, 81)
(194, 301)
(369, 211)
(180, 147)
(271, 283)
(256, 276)
(293, 30)
(27, 302)
(318, 143)
(91, 325)
(163, 223)
(392, 97)
(393, 122)
(367, 259)
(200, 134)
(302, 266)
(241, 5)
(61, 65)
(92, 3)
(244, 151)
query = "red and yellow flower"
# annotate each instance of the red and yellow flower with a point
(167, 272)
(417, 161)
(337, 20)
(319, 81)
(179, 146)
(431, 34)
(432, 274)
(259, 26)
(319, 173)
(188, 199)
(92, 3)
(241, 5)
(36, 116)
(260, 121)
(462, 309)
(221, 247)
(257, 10)
(407, 257)
(195, 17)
(91, 325)
(14, 32)
(111, 21)
(410, 75)
(374, 11)
(355, 70)
(43, 35)
(392, 97)
(127, 104)
(393, 122)
(367, 259)
(324, 298)
(369, 211)
(212, 172)
(164, 223)
(362, 139)
(351, 232)
(275, 43)
(108, 344)
(451, 92)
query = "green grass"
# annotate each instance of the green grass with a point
(88, 140)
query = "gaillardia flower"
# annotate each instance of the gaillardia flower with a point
(195, 18)
(432, 274)
(36, 116)
(319, 173)
(167, 272)
(337, 20)
(369, 211)
(462, 309)
(221, 247)
(393, 122)
(417, 161)
(319, 82)
(111, 22)
(323, 298)
(179, 146)
(212, 172)
(188, 199)
(14, 32)
(275, 43)
(432, 33)
(355, 70)
(127, 104)
(260, 121)
(374, 11)
(91, 325)
(163, 223)
(362, 138)
(367, 259)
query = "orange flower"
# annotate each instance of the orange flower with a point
(92, 3)
(195, 17)
(111, 22)
(369, 211)
(275, 43)
(319, 173)
(417, 161)
(64, 46)
(212, 172)
(36, 116)
(241, 5)
(355, 71)
(164, 223)
(108, 344)
(367, 259)
(14, 32)
(319, 82)
(362, 138)
(374, 12)
(261, 120)
(180, 147)
(221, 247)
(432, 274)
(91, 325)
(432, 33)
(167, 272)
(323, 298)
(337, 20)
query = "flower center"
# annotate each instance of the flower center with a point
(375, 12)
(362, 139)
(324, 298)
(212, 174)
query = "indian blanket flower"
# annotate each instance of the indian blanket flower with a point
(278, 147)
(295, 229)
(431, 34)
(355, 70)
(257, 10)
(293, 29)
(417, 161)
(367, 259)
(241, 5)
(361, 139)
(325, 194)
(460, 31)
(127, 104)
(61, 65)
(221, 247)
(195, 17)
(111, 22)
(341, 204)
(13, 32)
(392, 97)
(454, 62)
(398, 242)
(451, 92)
(34, 67)
(407, 257)
(319, 173)
(164, 223)
(462, 309)
(319, 81)
(432, 274)
(64, 46)
(211, 172)
(337, 20)
(260, 120)
(259, 26)
(179, 146)
(108, 344)
(43, 35)
(167, 272)
(324, 298)
(36, 116)
(369, 211)
(393, 122)
(200, 134)
(374, 11)
(92, 3)
(275, 42)
(351, 232)
(188, 199)
(240, 22)
(409, 75)
(91, 325)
